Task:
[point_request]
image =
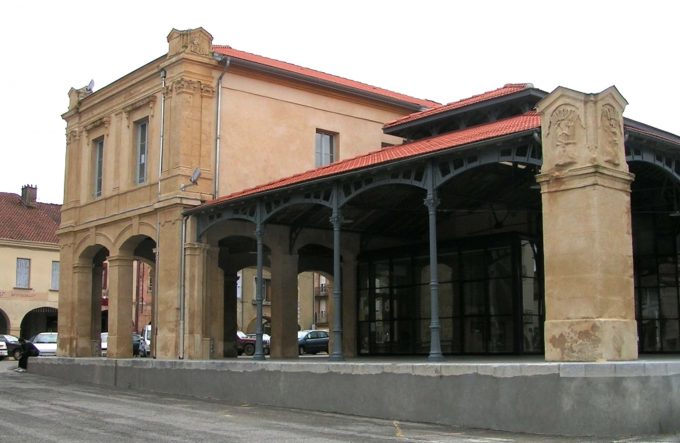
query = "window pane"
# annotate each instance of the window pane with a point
(363, 305)
(532, 334)
(141, 151)
(671, 336)
(650, 335)
(473, 264)
(55, 276)
(324, 149)
(475, 330)
(98, 167)
(474, 298)
(500, 296)
(669, 302)
(530, 296)
(23, 272)
(499, 262)
(649, 303)
(381, 272)
(500, 334)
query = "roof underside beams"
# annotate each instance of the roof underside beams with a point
(379, 200)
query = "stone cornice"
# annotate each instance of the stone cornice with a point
(592, 175)
(29, 245)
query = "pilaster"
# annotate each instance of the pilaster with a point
(585, 187)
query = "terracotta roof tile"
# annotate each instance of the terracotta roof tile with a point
(295, 69)
(512, 125)
(22, 223)
(507, 89)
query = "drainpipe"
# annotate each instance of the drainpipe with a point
(154, 322)
(160, 159)
(218, 120)
(182, 298)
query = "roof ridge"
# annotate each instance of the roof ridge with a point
(473, 99)
(311, 71)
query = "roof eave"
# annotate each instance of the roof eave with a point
(393, 130)
(317, 181)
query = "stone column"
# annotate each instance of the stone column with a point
(166, 304)
(81, 325)
(215, 302)
(120, 307)
(195, 302)
(229, 314)
(585, 187)
(284, 271)
(349, 304)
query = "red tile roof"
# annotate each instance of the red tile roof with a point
(528, 121)
(22, 223)
(318, 75)
(507, 89)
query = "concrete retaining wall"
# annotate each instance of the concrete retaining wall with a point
(577, 399)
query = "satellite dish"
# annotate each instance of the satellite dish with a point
(195, 175)
(90, 86)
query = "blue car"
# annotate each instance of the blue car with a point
(312, 342)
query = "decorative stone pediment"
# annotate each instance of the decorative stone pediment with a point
(196, 41)
(582, 130)
(147, 101)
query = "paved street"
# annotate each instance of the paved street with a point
(42, 409)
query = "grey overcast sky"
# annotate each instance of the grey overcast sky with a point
(440, 50)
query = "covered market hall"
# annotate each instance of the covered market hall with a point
(512, 222)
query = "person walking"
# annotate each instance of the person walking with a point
(28, 349)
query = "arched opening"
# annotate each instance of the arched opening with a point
(4, 323)
(489, 266)
(43, 319)
(238, 260)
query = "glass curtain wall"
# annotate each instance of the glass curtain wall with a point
(490, 299)
(655, 249)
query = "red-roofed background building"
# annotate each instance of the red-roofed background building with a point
(29, 264)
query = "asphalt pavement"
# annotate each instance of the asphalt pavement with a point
(35, 408)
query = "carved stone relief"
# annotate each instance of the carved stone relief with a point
(610, 135)
(563, 129)
(147, 101)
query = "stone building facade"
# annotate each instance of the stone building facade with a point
(197, 123)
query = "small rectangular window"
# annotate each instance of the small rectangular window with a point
(98, 166)
(141, 137)
(325, 148)
(266, 290)
(23, 273)
(54, 286)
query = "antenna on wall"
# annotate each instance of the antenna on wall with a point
(193, 180)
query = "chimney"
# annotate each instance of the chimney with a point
(29, 195)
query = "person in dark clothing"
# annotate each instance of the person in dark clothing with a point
(28, 349)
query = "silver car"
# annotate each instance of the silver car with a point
(46, 342)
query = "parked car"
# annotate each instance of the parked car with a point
(46, 342)
(245, 343)
(138, 348)
(12, 345)
(312, 342)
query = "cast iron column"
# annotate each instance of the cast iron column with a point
(336, 220)
(259, 232)
(432, 202)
